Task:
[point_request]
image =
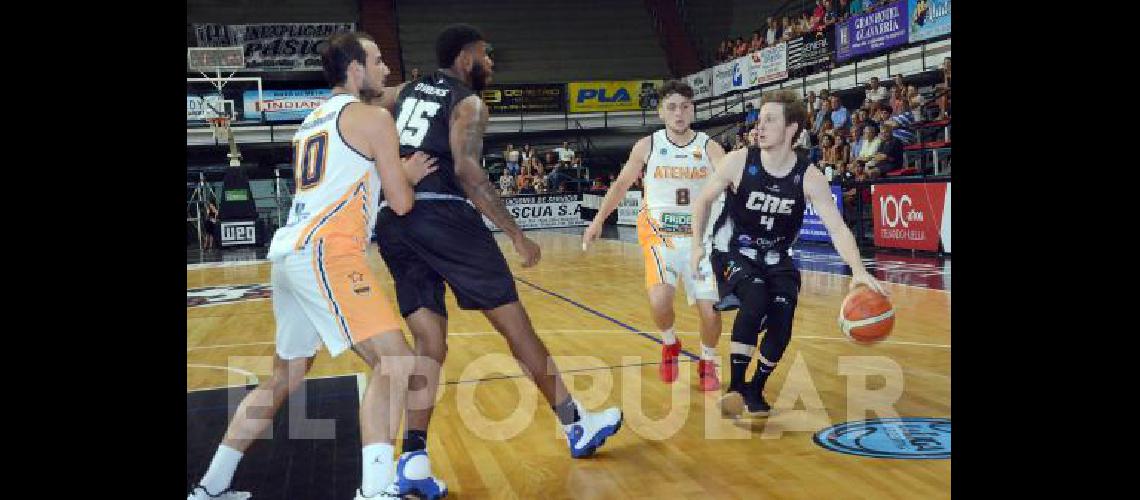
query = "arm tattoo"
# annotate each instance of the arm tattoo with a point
(480, 190)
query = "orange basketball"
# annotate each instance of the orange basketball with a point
(865, 316)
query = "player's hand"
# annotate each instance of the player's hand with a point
(418, 166)
(865, 278)
(527, 249)
(695, 257)
(592, 232)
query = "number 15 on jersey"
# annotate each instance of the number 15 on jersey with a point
(413, 120)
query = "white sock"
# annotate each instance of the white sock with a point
(668, 337)
(379, 469)
(708, 353)
(221, 471)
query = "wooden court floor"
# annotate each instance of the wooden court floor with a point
(498, 439)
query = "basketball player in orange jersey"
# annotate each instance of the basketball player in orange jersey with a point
(679, 160)
(323, 289)
(770, 186)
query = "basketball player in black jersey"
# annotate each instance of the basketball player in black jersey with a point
(444, 240)
(769, 187)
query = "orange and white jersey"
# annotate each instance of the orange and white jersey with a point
(336, 188)
(674, 175)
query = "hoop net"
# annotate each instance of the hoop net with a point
(221, 127)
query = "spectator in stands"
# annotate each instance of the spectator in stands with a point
(881, 115)
(805, 23)
(741, 47)
(831, 15)
(773, 32)
(851, 192)
(815, 154)
(526, 154)
(817, 16)
(875, 93)
(524, 178)
(899, 84)
(889, 156)
(506, 184)
(898, 105)
(812, 103)
(415, 74)
(803, 141)
(722, 52)
(843, 10)
(842, 151)
(855, 8)
(528, 187)
(912, 93)
(853, 140)
(827, 129)
(823, 115)
(827, 153)
(209, 225)
(839, 115)
(551, 159)
(858, 118)
(540, 184)
(906, 124)
(791, 29)
(511, 155)
(869, 145)
(565, 154)
(942, 92)
(757, 42)
(751, 114)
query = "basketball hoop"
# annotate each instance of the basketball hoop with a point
(221, 127)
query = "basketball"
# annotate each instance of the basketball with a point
(866, 317)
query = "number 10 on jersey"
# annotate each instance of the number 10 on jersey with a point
(413, 120)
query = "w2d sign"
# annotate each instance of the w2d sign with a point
(813, 228)
(236, 233)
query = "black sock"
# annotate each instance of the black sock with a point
(739, 364)
(415, 440)
(760, 377)
(567, 411)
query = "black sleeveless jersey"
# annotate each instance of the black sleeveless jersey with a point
(765, 212)
(423, 122)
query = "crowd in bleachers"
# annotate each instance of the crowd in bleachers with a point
(867, 141)
(557, 170)
(781, 29)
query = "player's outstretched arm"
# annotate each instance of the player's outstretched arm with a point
(817, 192)
(468, 122)
(616, 192)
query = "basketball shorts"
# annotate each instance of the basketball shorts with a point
(776, 272)
(444, 241)
(330, 297)
(667, 261)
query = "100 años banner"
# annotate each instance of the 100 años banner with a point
(870, 33)
(278, 46)
(928, 18)
(526, 98)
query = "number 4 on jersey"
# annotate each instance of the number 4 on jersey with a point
(413, 120)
